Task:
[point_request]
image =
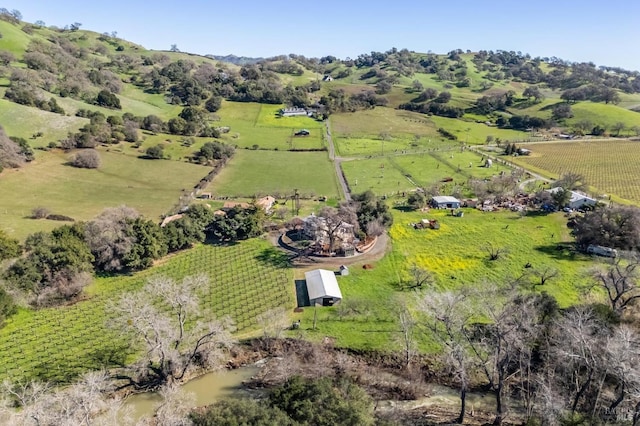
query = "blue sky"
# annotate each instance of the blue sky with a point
(607, 33)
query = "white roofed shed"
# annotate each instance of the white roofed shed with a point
(322, 287)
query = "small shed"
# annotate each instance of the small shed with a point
(322, 287)
(445, 202)
(344, 270)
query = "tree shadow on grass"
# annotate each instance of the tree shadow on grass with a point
(274, 257)
(560, 251)
(405, 209)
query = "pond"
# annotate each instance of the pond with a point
(207, 389)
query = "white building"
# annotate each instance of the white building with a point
(322, 287)
(445, 202)
(577, 200)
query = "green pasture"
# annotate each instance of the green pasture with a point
(454, 254)
(604, 115)
(255, 124)
(475, 133)
(150, 186)
(252, 172)
(372, 122)
(400, 173)
(58, 344)
(13, 38)
(268, 117)
(24, 121)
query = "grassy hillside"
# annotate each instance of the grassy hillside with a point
(152, 187)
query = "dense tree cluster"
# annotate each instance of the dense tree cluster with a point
(54, 267)
(616, 227)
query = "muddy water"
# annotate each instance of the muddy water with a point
(207, 389)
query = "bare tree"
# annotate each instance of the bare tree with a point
(577, 342)
(447, 317)
(86, 402)
(175, 407)
(620, 282)
(407, 336)
(157, 318)
(571, 182)
(505, 344)
(622, 352)
(545, 274)
(86, 159)
(493, 251)
(420, 276)
(273, 322)
(108, 238)
(11, 155)
(334, 220)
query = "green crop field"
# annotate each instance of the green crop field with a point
(276, 172)
(150, 186)
(454, 254)
(57, 344)
(607, 166)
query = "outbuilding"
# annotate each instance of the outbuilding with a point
(322, 287)
(445, 202)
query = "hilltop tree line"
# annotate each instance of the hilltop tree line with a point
(60, 66)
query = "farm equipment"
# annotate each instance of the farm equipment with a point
(427, 224)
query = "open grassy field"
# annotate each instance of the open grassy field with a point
(276, 172)
(256, 124)
(368, 317)
(411, 128)
(150, 186)
(23, 121)
(77, 338)
(608, 166)
(13, 39)
(391, 174)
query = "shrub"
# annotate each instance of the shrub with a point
(87, 159)
(40, 213)
(155, 152)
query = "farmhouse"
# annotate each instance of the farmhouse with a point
(322, 287)
(445, 202)
(577, 200)
(292, 112)
(343, 237)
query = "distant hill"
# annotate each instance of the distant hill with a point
(51, 74)
(237, 60)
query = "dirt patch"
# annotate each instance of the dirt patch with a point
(367, 266)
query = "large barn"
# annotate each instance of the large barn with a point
(323, 288)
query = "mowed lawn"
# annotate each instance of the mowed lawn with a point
(610, 167)
(150, 186)
(256, 172)
(454, 254)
